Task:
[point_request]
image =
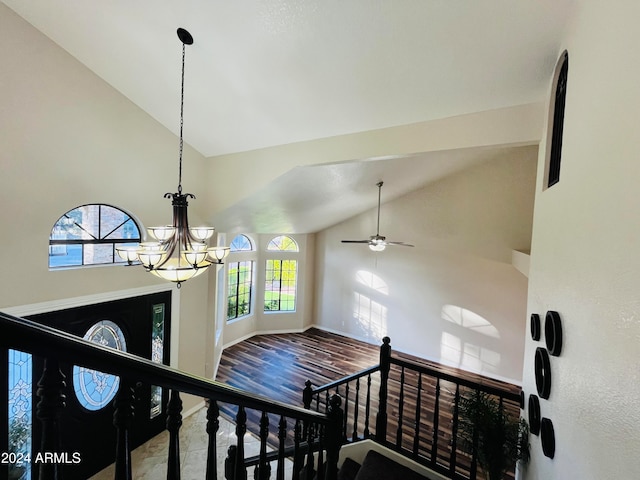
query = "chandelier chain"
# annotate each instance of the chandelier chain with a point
(181, 120)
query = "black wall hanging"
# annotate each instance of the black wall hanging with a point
(553, 333)
(535, 326)
(534, 414)
(543, 372)
(548, 438)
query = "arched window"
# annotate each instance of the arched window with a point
(89, 235)
(241, 243)
(282, 243)
(239, 278)
(559, 95)
(281, 275)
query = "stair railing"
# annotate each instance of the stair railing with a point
(55, 346)
(415, 412)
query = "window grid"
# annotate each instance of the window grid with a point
(89, 235)
(280, 285)
(241, 243)
(282, 243)
(240, 281)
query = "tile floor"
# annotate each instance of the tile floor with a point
(149, 461)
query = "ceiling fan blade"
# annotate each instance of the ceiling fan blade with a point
(402, 244)
(355, 241)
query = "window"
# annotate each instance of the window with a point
(239, 279)
(281, 275)
(241, 243)
(89, 235)
(557, 124)
(239, 289)
(282, 244)
(95, 390)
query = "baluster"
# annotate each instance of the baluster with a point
(174, 422)
(454, 432)
(321, 465)
(346, 412)
(213, 424)
(122, 419)
(230, 463)
(241, 429)
(307, 395)
(385, 365)
(333, 437)
(282, 435)
(297, 453)
(309, 471)
(416, 438)
(49, 409)
(263, 467)
(436, 424)
(400, 411)
(356, 408)
(367, 413)
(474, 451)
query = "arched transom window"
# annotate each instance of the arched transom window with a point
(239, 278)
(89, 235)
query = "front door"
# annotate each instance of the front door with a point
(137, 325)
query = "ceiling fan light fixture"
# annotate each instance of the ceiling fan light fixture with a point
(377, 242)
(377, 247)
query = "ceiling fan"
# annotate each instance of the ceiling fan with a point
(377, 242)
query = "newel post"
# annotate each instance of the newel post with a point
(307, 395)
(385, 365)
(334, 436)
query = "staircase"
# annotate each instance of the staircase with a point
(409, 408)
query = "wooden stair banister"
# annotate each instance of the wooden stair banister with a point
(55, 346)
(411, 412)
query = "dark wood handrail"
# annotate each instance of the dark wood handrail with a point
(463, 382)
(28, 336)
(347, 379)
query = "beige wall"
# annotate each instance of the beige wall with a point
(68, 139)
(585, 261)
(455, 297)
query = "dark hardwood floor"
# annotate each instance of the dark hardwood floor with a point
(278, 365)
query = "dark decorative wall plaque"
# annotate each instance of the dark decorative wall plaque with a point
(553, 332)
(543, 372)
(548, 438)
(535, 326)
(534, 414)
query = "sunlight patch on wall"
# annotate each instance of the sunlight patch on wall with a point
(373, 281)
(370, 315)
(468, 319)
(457, 353)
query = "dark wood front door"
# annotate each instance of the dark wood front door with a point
(138, 325)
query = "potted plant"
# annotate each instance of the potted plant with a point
(498, 439)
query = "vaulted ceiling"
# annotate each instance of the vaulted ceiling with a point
(263, 73)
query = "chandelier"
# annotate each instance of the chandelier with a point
(179, 252)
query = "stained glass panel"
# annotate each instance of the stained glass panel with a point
(157, 355)
(94, 389)
(20, 409)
